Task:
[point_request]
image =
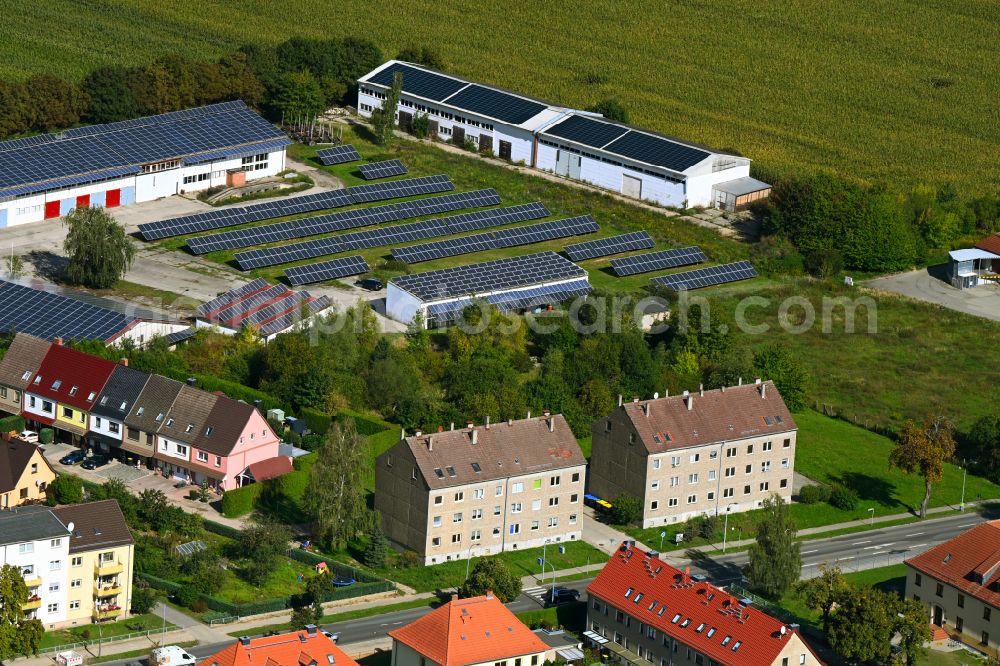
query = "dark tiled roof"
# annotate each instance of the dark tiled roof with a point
(738, 412)
(120, 393)
(95, 525)
(970, 562)
(155, 400)
(504, 449)
(24, 355)
(14, 459)
(227, 420)
(29, 523)
(187, 416)
(72, 369)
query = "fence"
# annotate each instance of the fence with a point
(109, 639)
(860, 561)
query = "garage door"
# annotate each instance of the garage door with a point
(83, 201)
(631, 186)
(51, 209)
(113, 198)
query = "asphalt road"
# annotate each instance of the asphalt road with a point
(861, 550)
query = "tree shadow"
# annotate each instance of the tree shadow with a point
(719, 572)
(939, 272)
(871, 488)
(48, 265)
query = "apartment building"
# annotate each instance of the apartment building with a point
(24, 474)
(480, 490)
(701, 453)
(101, 553)
(468, 632)
(958, 582)
(641, 610)
(34, 540)
(19, 364)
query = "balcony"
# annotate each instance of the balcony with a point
(33, 580)
(33, 603)
(107, 589)
(102, 613)
(109, 568)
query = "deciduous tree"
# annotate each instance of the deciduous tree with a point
(775, 558)
(99, 250)
(260, 545)
(923, 449)
(57, 103)
(780, 366)
(384, 118)
(626, 509)
(18, 635)
(611, 109)
(823, 593)
(863, 625)
(65, 489)
(335, 496)
(490, 573)
(112, 94)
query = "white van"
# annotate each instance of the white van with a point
(172, 655)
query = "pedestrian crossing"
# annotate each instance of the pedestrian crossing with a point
(537, 594)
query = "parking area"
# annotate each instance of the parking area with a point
(927, 285)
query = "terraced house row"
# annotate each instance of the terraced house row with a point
(183, 431)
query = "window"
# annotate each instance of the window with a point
(749, 469)
(576, 477)
(456, 538)
(959, 624)
(515, 528)
(516, 488)
(53, 608)
(74, 605)
(692, 499)
(478, 493)
(436, 542)
(986, 613)
(553, 501)
(802, 658)
(67, 413)
(499, 490)
(731, 452)
(711, 496)
(692, 478)
(202, 456)
(97, 421)
(456, 518)
(961, 601)
(765, 486)
(477, 514)
(694, 457)
(654, 505)
(218, 461)
(675, 461)
(713, 455)
(181, 450)
(476, 535)
(672, 501)
(784, 483)
(730, 471)
(170, 422)
(675, 481)
(460, 496)
(765, 466)
(656, 463)
(554, 480)
(727, 492)
(436, 522)
(574, 498)
(76, 583)
(572, 521)
(114, 427)
(655, 485)
(55, 565)
(711, 475)
(784, 463)
(77, 561)
(553, 521)
(749, 449)
(55, 543)
(985, 638)
(939, 590)
(496, 511)
(515, 507)
(439, 499)
(917, 580)
(787, 443)
(746, 490)
(53, 587)
(767, 446)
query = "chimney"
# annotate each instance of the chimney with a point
(123, 361)
(487, 421)
(635, 399)
(763, 391)
(656, 395)
(430, 443)
(475, 436)
(685, 394)
(245, 641)
(701, 390)
(546, 413)
(259, 404)
(418, 433)
(757, 381)
(402, 433)
(454, 597)
(510, 422)
(689, 402)
(57, 341)
(191, 381)
(489, 593)
(723, 389)
(529, 413)
(740, 382)
(645, 409)
(666, 393)
(619, 399)
(311, 629)
(451, 426)
(469, 424)
(784, 630)
(440, 428)
(552, 423)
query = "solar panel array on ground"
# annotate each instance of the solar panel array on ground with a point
(707, 277)
(495, 240)
(348, 219)
(338, 155)
(327, 270)
(496, 275)
(233, 216)
(47, 315)
(376, 170)
(269, 308)
(523, 299)
(400, 233)
(602, 247)
(656, 261)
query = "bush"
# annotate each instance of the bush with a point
(843, 498)
(66, 489)
(143, 600)
(708, 527)
(46, 436)
(186, 596)
(814, 494)
(420, 127)
(199, 606)
(626, 509)
(240, 501)
(12, 423)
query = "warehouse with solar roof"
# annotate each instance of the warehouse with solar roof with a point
(46, 176)
(579, 145)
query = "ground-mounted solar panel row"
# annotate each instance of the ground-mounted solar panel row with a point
(327, 270)
(494, 240)
(341, 220)
(376, 170)
(338, 155)
(400, 233)
(603, 247)
(230, 217)
(656, 261)
(707, 277)
(231, 296)
(512, 300)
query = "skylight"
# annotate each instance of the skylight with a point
(725, 641)
(104, 400)
(686, 622)
(700, 628)
(123, 405)
(208, 431)
(652, 605)
(451, 470)
(676, 617)
(628, 592)
(56, 384)
(768, 420)
(476, 468)
(438, 473)
(638, 598)
(139, 411)
(38, 379)
(662, 609)
(72, 391)
(778, 418)
(711, 632)
(170, 422)
(736, 645)
(26, 374)
(91, 396)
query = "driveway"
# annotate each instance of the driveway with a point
(929, 285)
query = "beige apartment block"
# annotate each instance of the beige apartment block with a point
(701, 453)
(481, 490)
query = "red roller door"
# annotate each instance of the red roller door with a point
(83, 200)
(113, 198)
(51, 209)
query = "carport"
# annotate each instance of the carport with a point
(972, 267)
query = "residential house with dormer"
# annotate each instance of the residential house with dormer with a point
(18, 366)
(114, 404)
(147, 414)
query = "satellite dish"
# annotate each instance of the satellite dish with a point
(70, 527)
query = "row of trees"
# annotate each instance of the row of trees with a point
(838, 223)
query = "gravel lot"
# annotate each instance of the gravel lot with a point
(927, 285)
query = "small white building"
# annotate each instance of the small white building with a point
(515, 284)
(111, 165)
(576, 144)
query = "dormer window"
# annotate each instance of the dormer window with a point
(104, 400)
(91, 396)
(189, 428)
(56, 384)
(208, 431)
(26, 375)
(72, 391)
(139, 411)
(170, 421)
(122, 408)
(38, 379)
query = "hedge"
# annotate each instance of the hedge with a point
(366, 425)
(222, 530)
(12, 423)
(240, 501)
(231, 389)
(46, 436)
(317, 421)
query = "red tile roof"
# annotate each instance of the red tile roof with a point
(970, 562)
(736, 412)
(70, 377)
(697, 614)
(270, 468)
(469, 631)
(295, 648)
(990, 244)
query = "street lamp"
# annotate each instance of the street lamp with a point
(662, 534)
(961, 505)
(552, 592)
(872, 510)
(468, 560)
(545, 544)
(725, 528)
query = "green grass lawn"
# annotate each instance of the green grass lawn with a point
(89, 632)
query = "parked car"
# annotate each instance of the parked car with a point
(95, 461)
(370, 284)
(561, 595)
(73, 457)
(29, 436)
(333, 637)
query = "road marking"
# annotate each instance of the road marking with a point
(842, 559)
(806, 552)
(919, 545)
(969, 524)
(858, 543)
(915, 534)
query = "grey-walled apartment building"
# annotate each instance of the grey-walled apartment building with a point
(483, 489)
(699, 453)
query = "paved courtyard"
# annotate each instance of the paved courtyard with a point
(927, 285)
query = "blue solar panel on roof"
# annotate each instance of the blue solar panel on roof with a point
(338, 155)
(47, 315)
(656, 261)
(657, 151)
(509, 301)
(587, 131)
(602, 247)
(707, 277)
(494, 103)
(179, 336)
(419, 82)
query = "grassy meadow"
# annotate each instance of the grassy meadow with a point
(881, 90)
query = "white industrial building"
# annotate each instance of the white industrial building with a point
(116, 164)
(515, 284)
(575, 144)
